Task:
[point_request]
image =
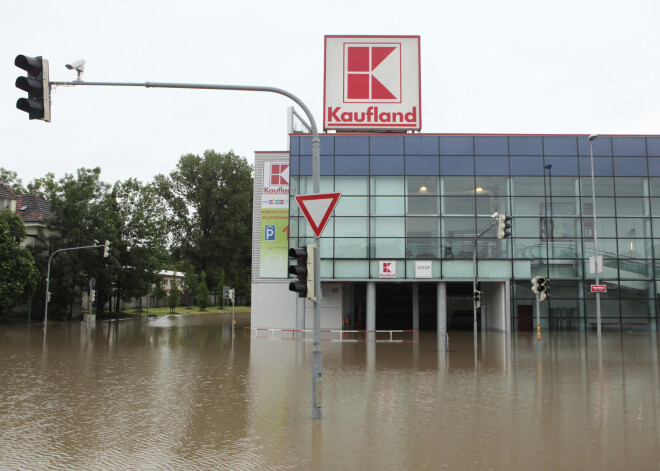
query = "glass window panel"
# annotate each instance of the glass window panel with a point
(352, 185)
(654, 166)
(558, 206)
(528, 206)
(421, 145)
(294, 147)
(326, 251)
(387, 227)
(560, 145)
(387, 248)
(494, 269)
(654, 184)
(493, 248)
(561, 166)
(604, 207)
(604, 186)
(294, 185)
(422, 186)
(528, 165)
(420, 205)
(655, 206)
(457, 248)
(416, 165)
(602, 146)
(458, 206)
(636, 289)
(351, 227)
(630, 269)
(491, 145)
(609, 308)
(630, 166)
(565, 227)
(458, 227)
(352, 165)
(387, 186)
(634, 248)
(564, 248)
(352, 206)
(351, 145)
(422, 247)
(463, 165)
(457, 269)
(562, 289)
(293, 227)
(522, 269)
(422, 227)
(458, 186)
(387, 206)
(527, 186)
(351, 248)
(491, 185)
(602, 166)
(606, 247)
(487, 205)
(526, 145)
(626, 186)
(626, 146)
(610, 271)
(386, 164)
(491, 165)
(327, 145)
(630, 206)
(653, 146)
(529, 248)
(305, 165)
(386, 145)
(456, 145)
(528, 227)
(656, 230)
(633, 227)
(606, 226)
(294, 165)
(563, 186)
(351, 268)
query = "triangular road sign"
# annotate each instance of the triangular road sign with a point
(317, 209)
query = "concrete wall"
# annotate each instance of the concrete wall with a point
(497, 314)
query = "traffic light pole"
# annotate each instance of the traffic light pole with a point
(48, 275)
(474, 272)
(317, 354)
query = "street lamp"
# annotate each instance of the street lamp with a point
(597, 265)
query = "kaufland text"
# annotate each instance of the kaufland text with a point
(372, 115)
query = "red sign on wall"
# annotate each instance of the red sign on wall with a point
(598, 289)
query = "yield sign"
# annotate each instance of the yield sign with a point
(317, 209)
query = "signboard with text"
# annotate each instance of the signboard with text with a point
(274, 246)
(372, 83)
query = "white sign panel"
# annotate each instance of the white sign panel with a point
(387, 269)
(372, 83)
(423, 269)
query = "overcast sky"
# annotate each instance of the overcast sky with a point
(487, 67)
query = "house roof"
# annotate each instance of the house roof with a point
(7, 193)
(33, 208)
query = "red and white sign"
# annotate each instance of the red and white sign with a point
(387, 269)
(276, 178)
(317, 209)
(423, 269)
(372, 83)
(598, 289)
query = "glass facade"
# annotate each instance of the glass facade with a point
(425, 197)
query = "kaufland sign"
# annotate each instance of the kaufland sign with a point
(372, 83)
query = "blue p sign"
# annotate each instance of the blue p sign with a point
(269, 232)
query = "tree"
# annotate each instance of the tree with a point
(210, 204)
(159, 293)
(189, 284)
(10, 178)
(18, 272)
(175, 296)
(202, 293)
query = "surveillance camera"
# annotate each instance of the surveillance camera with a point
(78, 65)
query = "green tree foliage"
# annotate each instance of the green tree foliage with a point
(189, 283)
(210, 203)
(18, 272)
(10, 179)
(158, 292)
(202, 293)
(174, 297)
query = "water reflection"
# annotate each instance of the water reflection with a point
(185, 393)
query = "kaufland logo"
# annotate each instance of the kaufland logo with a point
(372, 83)
(276, 178)
(387, 269)
(372, 73)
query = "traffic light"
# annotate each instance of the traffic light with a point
(231, 295)
(92, 298)
(36, 84)
(106, 249)
(304, 270)
(477, 298)
(503, 226)
(539, 287)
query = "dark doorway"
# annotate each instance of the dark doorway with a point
(525, 318)
(393, 306)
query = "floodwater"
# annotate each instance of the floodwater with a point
(182, 393)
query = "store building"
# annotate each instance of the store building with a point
(398, 251)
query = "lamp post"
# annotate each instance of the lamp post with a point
(597, 265)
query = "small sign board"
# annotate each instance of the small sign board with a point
(598, 289)
(387, 269)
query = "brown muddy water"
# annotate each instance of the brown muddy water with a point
(182, 393)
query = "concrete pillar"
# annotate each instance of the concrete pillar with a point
(415, 306)
(442, 307)
(371, 306)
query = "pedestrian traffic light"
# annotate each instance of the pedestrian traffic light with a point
(477, 298)
(503, 226)
(304, 270)
(539, 287)
(106, 249)
(36, 84)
